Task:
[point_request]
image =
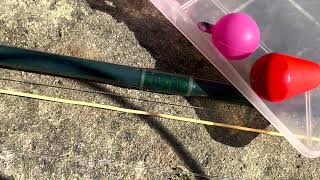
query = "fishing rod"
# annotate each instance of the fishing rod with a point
(119, 75)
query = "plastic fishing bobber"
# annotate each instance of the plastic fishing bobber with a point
(277, 77)
(235, 35)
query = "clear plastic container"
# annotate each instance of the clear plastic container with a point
(287, 26)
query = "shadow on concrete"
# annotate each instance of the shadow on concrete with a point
(164, 133)
(3, 177)
(174, 53)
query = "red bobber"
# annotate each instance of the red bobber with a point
(277, 77)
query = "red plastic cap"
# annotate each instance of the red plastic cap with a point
(277, 77)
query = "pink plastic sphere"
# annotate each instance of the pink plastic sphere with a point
(235, 35)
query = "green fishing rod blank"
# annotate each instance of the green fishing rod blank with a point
(97, 71)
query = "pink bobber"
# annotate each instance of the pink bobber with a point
(235, 35)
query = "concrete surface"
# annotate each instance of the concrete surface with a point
(45, 140)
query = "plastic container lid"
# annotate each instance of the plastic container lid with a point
(287, 26)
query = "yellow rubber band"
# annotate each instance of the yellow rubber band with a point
(139, 112)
